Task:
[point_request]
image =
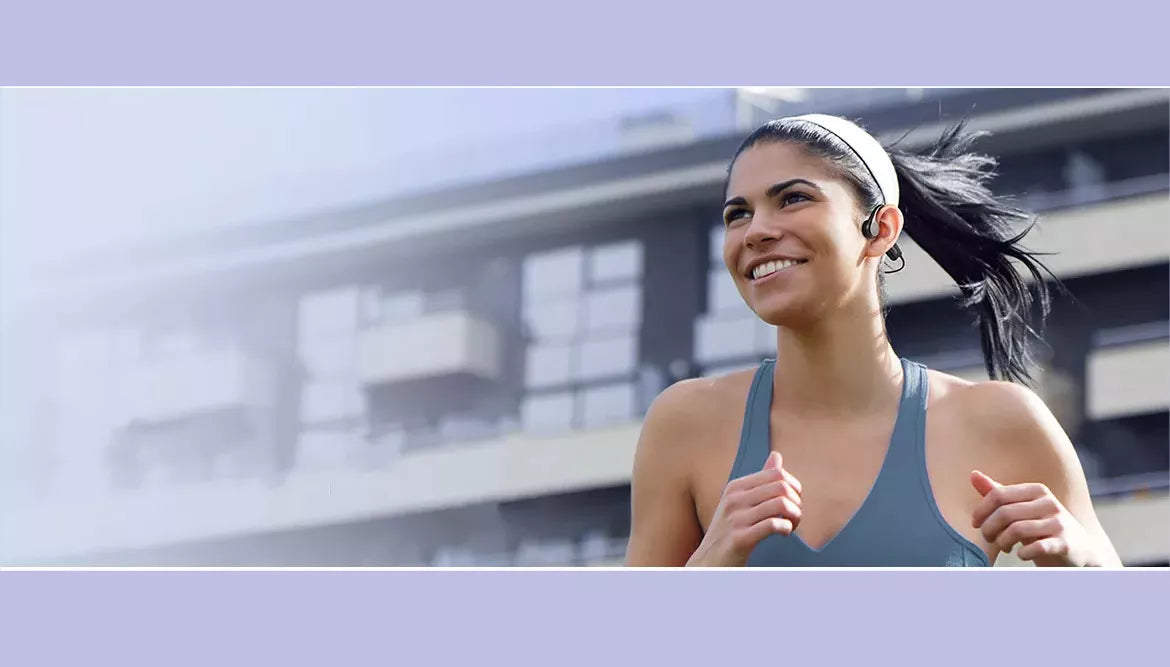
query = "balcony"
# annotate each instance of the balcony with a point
(431, 346)
(198, 383)
(1128, 380)
(511, 467)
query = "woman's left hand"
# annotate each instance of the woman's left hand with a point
(1031, 515)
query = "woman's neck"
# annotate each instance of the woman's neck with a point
(844, 365)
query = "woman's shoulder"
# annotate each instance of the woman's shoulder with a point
(699, 399)
(683, 423)
(1005, 424)
(987, 405)
(701, 409)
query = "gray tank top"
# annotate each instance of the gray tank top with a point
(898, 524)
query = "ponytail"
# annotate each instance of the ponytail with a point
(975, 237)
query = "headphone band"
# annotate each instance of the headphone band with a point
(868, 150)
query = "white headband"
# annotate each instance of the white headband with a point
(867, 149)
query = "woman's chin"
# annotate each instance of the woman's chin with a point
(784, 315)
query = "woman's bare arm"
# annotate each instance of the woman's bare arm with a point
(1040, 454)
(664, 529)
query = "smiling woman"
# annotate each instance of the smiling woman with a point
(839, 452)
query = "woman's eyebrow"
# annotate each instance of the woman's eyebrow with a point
(773, 191)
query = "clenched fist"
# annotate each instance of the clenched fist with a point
(752, 507)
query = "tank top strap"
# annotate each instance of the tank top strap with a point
(754, 436)
(910, 426)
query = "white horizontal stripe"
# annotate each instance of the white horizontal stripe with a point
(1128, 380)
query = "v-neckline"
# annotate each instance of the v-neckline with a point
(905, 391)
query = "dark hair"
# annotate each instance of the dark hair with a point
(951, 213)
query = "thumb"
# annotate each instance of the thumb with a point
(774, 461)
(982, 483)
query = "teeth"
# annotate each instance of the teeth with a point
(768, 268)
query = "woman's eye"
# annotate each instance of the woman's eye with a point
(794, 198)
(733, 215)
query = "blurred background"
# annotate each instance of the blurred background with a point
(420, 327)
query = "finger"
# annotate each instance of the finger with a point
(765, 492)
(751, 481)
(1028, 531)
(982, 483)
(1049, 546)
(774, 461)
(782, 508)
(1005, 495)
(1005, 515)
(791, 479)
(769, 526)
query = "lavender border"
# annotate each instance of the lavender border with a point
(583, 617)
(603, 42)
(599, 617)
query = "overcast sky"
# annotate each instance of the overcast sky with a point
(82, 168)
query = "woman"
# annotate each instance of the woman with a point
(838, 453)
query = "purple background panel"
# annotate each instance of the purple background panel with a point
(604, 42)
(594, 617)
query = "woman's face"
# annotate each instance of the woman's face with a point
(793, 241)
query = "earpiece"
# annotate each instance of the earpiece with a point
(867, 226)
(867, 230)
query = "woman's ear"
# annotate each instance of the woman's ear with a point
(884, 230)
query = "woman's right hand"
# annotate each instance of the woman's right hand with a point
(752, 507)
